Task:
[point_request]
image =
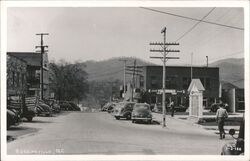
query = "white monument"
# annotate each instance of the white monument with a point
(195, 91)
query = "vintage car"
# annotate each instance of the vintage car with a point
(123, 110)
(141, 112)
(64, 105)
(109, 107)
(74, 106)
(43, 108)
(24, 106)
(54, 105)
(237, 146)
(13, 117)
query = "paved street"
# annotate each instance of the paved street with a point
(100, 133)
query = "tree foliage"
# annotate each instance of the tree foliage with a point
(68, 81)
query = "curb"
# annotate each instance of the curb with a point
(191, 123)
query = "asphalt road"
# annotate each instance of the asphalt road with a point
(100, 133)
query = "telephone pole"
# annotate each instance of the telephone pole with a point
(42, 51)
(164, 51)
(135, 72)
(124, 76)
(207, 61)
(191, 67)
(133, 78)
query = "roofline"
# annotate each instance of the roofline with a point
(19, 58)
(175, 66)
(22, 53)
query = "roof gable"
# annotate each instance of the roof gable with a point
(196, 85)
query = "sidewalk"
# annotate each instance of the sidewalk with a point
(210, 124)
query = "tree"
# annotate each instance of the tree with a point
(68, 81)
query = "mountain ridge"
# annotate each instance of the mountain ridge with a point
(231, 69)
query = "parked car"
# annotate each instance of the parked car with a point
(44, 108)
(64, 105)
(123, 110)
(237, 146)
(24, 106)
(105, 106)
(54, 104)
(29, 110)
(74, 106)
(109, 107)
(13, 118)
(141, 112)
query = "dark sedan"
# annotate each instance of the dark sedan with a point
(123, 110)
(141, 112)
(12, 118)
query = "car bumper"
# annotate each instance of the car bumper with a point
(141, 118)
(117, 115)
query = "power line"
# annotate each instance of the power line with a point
(194, 19)
(188, 31)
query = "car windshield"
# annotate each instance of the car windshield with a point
(120, 105)
(140, 107)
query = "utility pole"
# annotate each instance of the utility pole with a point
(42, 47)
(164, 51)
(207, 61)
(111, 97)
(133, 79)
(134, 71)
(191, 66)
(124, 76)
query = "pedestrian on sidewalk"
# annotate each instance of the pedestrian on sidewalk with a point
(221, 115)
(172, 108)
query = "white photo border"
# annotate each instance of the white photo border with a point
(6, 4)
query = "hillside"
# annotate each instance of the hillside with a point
(231, 70)
(111, 68)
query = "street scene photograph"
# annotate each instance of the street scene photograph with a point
(126, 81)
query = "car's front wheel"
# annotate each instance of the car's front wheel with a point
(117, 117)
(29, 118)
(128, 117)
(149, 122)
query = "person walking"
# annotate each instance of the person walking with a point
(221, 115)
(172, 108)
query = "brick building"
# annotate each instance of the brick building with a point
(29, 73)
(178, 79)
(16, 76)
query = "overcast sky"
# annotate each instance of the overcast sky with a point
(80, 34)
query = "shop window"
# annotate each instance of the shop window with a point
(207, 83)
(153, 82)
(203, 82)
(170, 83)
(141, 81)
(186, 82)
